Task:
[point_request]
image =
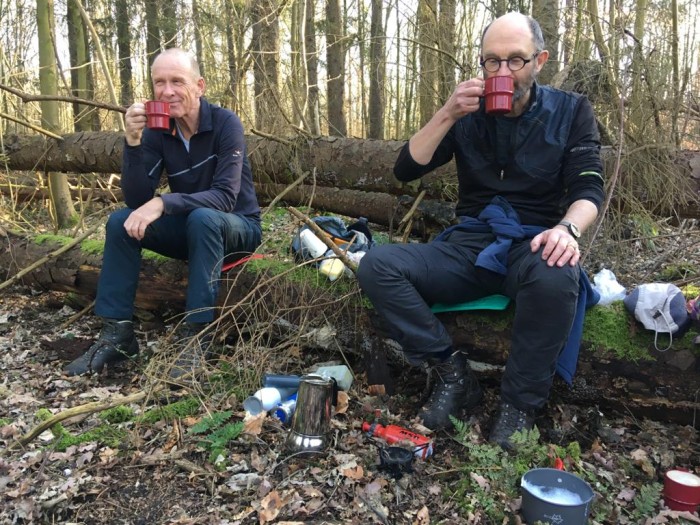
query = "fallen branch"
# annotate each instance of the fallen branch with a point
(26, 97)
(89, 408)
(324, 237)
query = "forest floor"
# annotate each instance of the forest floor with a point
(153, 470)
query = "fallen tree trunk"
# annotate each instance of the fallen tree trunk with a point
(662, 389)
(360, 164)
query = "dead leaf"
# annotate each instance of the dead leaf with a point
(423, 517)
(627, 494)
(343, 402)
(270, 507)
(481, 481)
(356, 472)
(252, 425)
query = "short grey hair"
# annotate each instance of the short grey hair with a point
(535, 30)
(194, 65)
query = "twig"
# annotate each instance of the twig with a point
(324, 237)
(287, 190)
(271, 137)
(31, 126)
(27, 97)
(48, 257)
(408, 218)
(77, 316)
(89, 408)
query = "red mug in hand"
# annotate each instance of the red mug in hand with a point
(158, 114)
(498, 92)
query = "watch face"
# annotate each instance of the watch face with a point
(574, 230)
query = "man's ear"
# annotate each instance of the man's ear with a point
(202, 85)
(542, 58)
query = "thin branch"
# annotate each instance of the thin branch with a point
(324, 237)
(31, 126)
(27, 97)
(89, 408)
(293, 185)
(271, 137)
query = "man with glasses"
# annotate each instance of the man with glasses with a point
(529, 183)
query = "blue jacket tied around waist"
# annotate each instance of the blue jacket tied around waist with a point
(502, 220)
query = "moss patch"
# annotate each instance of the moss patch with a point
(188, 406)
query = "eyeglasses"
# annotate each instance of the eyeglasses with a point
(516, 63)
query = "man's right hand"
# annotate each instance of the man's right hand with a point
(135, 122)
(464, 99)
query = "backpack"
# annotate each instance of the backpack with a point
(354, 238)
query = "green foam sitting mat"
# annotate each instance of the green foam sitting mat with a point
(490, 302)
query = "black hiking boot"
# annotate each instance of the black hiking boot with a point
(456, 388)
(115, 343)
(192, 350)
(509, 421)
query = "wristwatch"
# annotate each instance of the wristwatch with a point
(571, 227)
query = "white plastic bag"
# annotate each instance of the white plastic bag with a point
(605, 283)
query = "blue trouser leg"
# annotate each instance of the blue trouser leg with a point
(203, 237)
(402, 281)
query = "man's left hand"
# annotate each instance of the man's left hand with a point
(558, 247)
(139, 219)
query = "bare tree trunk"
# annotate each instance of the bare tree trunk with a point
(427, 37)
(265, 51)
(311, 60)
(377, 73)
(152, 34)
(296, 84)
(62, 205)
(80, 65)
(335, 58)
(124, 46)
(546, 12)
(197, 22)
(169, 22)
(231, 48)
(446, 35)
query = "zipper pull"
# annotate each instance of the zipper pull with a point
(502, 171)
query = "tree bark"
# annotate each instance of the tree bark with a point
(126, 92)
(335, 57)
(311, 63)
(427, 37)
(265, 51)
(377, 73)
(61, 204)
(358, 164)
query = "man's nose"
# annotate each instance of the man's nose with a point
(503, 69)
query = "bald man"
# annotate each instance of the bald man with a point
(530, 182)
(210, 212)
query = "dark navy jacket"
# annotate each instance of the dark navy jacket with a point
(553, 159)
(215, 173)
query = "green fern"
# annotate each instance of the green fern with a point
(462, 429)
(211, 422)
(646, 501)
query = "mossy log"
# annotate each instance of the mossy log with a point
(618, 365)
